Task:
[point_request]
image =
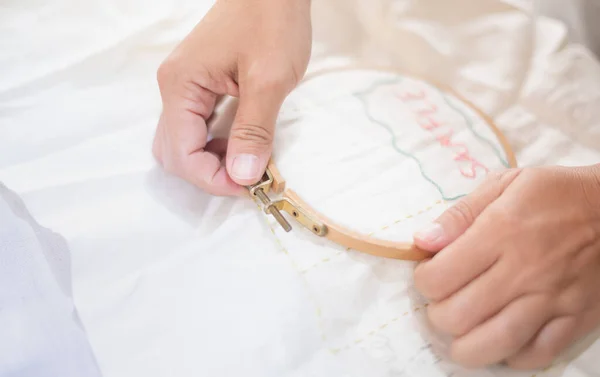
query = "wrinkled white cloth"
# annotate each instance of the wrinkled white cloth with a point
(580, 17)
(169, 281)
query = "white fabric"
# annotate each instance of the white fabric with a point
(580, 17)
(169, 281)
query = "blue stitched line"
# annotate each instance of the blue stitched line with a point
(376, 84)
(473, 131)
(359, 95)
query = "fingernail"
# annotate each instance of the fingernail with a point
(431, 233)
(245, 166)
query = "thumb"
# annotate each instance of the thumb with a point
(458, 218)
(252, 134)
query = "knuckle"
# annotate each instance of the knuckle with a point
(504, 177)
(536, 359)
(528, 175)
(510, 337)
(156, 150)
(271, 78)
(495, 176)
(166, 72)
(543, 357)
(256, 134)
(590, 184)
(590, 234)
(421, 280)
(574, 300)
(157, 142)
(173, 163)
(464, 354)
(456, 324)
(428, 284)
(502, 217)
(267, 84)
(446, 320)
(171, 166)
(462, 212)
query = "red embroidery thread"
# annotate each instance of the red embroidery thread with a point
(425, 119)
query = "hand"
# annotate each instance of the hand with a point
(517, 279)
(255, 50)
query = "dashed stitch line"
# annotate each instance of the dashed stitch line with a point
(374, 331)
(381, 327)
(385, 227)
(322, 261)
(410, 216)
(317, 307)
(319, 311)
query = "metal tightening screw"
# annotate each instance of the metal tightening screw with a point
(272, 210)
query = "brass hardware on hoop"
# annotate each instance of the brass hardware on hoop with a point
(273, 183)
(274, 208)
(260, 190)
(301, 216)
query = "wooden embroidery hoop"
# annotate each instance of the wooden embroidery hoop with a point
(291, 203)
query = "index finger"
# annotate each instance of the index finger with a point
(206, 169)
(185, 152)
(457, 264)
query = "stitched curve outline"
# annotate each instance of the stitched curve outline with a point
(362, 100)
(307, 287)
(469, 123)
(360, 96)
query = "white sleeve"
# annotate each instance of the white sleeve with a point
(40, 333)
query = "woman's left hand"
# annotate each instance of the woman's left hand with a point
(516, 273)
